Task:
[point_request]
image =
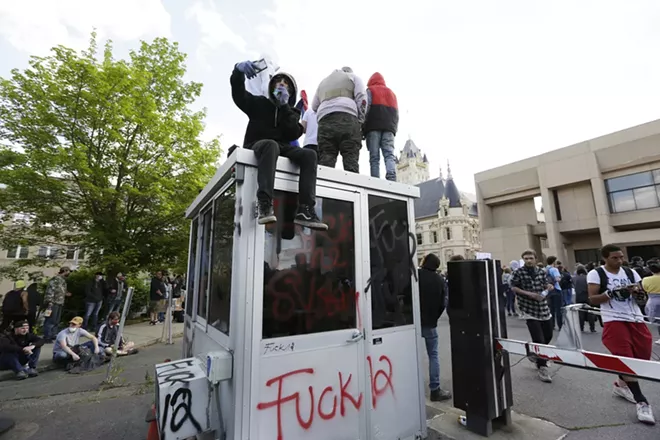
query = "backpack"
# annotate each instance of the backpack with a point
(641, 299)
(566, 281)
(12, 304)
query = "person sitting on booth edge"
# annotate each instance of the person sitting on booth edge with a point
(273, 125)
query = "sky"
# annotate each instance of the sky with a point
(480, 83)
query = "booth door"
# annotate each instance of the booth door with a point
(393, 345)
(310, 374)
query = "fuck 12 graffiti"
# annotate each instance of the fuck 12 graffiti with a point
(334, 400)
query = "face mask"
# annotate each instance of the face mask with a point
(73, 329)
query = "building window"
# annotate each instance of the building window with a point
(555, 197)
(19, 252)
(448, 233)
(223, 250)
(586, 256)
(43, 251)
(634, 192)
(434, 234)
(419, 239)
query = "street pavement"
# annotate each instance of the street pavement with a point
(66, 406)
(141, 334)
(579, 401)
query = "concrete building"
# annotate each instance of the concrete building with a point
(605, 190)
(446, 221)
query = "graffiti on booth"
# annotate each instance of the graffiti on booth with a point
(272, 347)
(334, 400)
(182, 398)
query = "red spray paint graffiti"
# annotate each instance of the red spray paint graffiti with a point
(381, 381)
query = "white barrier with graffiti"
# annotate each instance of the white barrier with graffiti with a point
(182, 399)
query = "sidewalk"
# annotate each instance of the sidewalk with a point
(523, 427)
(141, 334)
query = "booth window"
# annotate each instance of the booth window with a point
(223, 247)
(205, 257)
(309, 276)
(192, 258)
(392, 264)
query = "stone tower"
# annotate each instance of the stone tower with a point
(412, 166)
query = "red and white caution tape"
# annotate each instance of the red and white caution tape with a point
(584, 359)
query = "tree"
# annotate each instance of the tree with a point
(103, 154)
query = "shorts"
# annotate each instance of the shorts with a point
(628, 339)
(155, 306)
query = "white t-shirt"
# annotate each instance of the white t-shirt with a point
(71, 339)
(312, 127)
(618, 310)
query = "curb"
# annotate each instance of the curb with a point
(48, 365)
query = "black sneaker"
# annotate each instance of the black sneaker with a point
(439, 395)
(266, 214)
(306, 216)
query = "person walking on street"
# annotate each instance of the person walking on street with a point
(582, 297)
(273, 124)
(381, 125)
(94, 293)
(340, 104)
(14, 305)
(432, 290)
(625, 333)
(531, 285)
(56, 292)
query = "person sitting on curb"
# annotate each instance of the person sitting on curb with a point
(69, 338)
(108, 335)
(19, 349)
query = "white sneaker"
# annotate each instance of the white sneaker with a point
(658, 342)
(645, 413)
(544, 375)
(624, 392)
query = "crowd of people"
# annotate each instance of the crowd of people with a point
(342, 113)
(20, 346)
(613, 290)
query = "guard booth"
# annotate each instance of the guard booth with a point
(299, 334)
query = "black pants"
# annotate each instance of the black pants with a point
(313, 147)
(267, 152)
(589, 317)
(340, 133)
(541, 333)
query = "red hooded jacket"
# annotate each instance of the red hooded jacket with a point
(383, 109)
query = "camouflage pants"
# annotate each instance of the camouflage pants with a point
(340, 133)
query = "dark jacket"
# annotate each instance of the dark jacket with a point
(581, 289)
(157, 284)
(95, 291)
(13, 343)
(431, 296)
(117, 286)
(268, 120)
(15, 302)
(108, 335)
(383, 112)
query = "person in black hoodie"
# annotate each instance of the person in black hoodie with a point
(94, 294)
(273, 125)
(19, 349)
(432, 304)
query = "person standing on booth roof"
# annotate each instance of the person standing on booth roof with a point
(530, 284)
(616, 288)
(273, 125)
(432, 289)
(381, 125)
(340, 104)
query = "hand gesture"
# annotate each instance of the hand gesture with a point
(28, 350)
(247, 68)
(549, 287)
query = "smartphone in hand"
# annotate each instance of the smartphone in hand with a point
(260, 65)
